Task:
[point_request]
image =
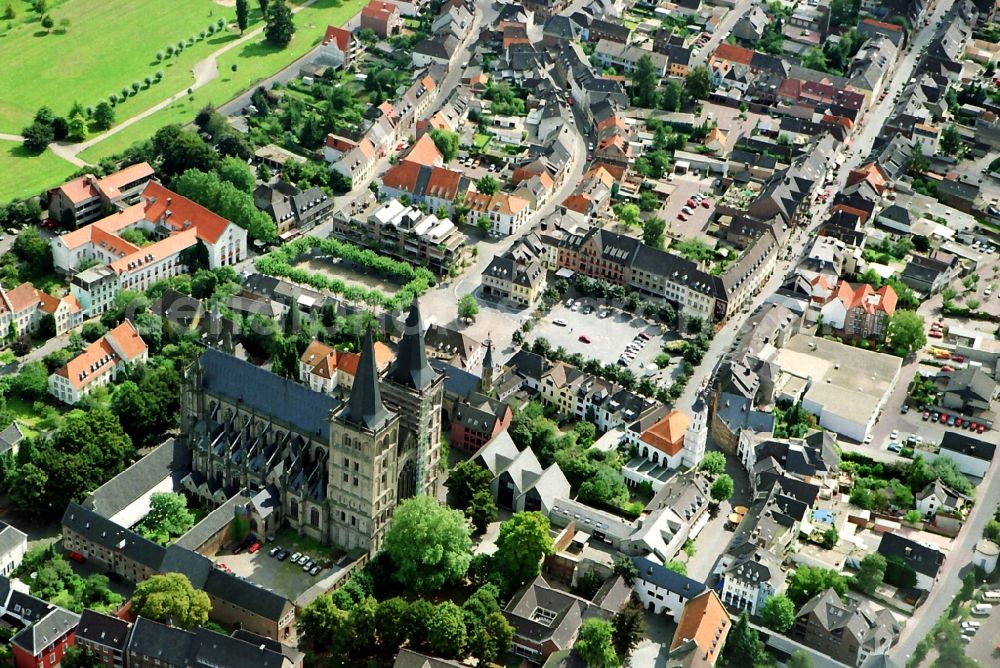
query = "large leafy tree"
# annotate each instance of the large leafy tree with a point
(280, 27)
(465, 479)
(446, 142)
(170, 598)
(446, 630)
(326, 625)
(645, 81)
(429, 545)
(227, 200)
(906, 331)
(871, 572)
(629, 627)
(698, 83)
(33, 249)
(594, 644)
(242, 14)
(652, 232)
(181, 149)
(809, 581)
(744, 646)
(524, 539)
(168, 517)
(722, 488)
(778, 613)
(390, 622)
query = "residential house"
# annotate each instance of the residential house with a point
(514, 277)
(751, 579)
(506, 213)
(100, 363)
(44, 641)
(382, 17)
(968, 390)
(437, 187)
(624, 57)
(861, 312)
(662, 590)
(292, 209)
(750, 27)
(938, 497)
(520, 484)
(325, 369)
(846, 630)
(960, 194)
(336, 48)
(451, 345)
(925, 275)
(66, 312)
(438, 49)
(104, 637)
(925, 560)
(701, 632)
(547, 620)
(599, 29)
(972, 455)
(88, 198)
(13, 545)
(353, 161)
(10, 439)
(406, 233)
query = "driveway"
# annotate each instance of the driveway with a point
(652, 650)
(282, 577)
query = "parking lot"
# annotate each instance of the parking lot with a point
(282, 577)
(685, 186)
(982, 648)
(608, 336)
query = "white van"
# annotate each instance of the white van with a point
(982, 609)
(991, 596)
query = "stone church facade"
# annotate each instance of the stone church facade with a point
(333, 470)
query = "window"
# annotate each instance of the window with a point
(314, 517)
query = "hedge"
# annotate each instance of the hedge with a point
(416, 279)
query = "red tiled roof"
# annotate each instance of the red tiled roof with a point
(338, 35)
(402, 176)
(101, 355)
(706, 622)
(667, 435)
(152, 253)
(377, 9)
(578, 203)
(183, 211)
(22, 297)
(424, 152)
(443, 183)
(733, 53)
(882, 24)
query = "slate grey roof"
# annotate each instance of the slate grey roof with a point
(10, 437)
(43, 633)
(569, 614)
(664, 578)
(103, 630)
(166, 644)
(410, 368)
(364, 406)
(291, 653)
(246, 595)
(214, 650)
(169, 460)
(966, 445)
(921, 558)
(267, 393)
(11, 538)
(457, 382)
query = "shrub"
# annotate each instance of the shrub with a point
(113, 99)
(136, 86)
(221, 22)
(202, 34)
(126, 92)
(159, 74)
(147, 80)
(159, 56)
(170, 50)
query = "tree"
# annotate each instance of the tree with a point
(491, 638)
(722, 488)
(678, 567)
(594, 644)
(871, 573)
(428, 543)
(487, 185)
(31, 382)
(227, 200)
(446, 142)
(713, 463)
(652, 232)
(47, 22)
(325, 624)
(465, 479)
(624, 567)
(778, 613)
(830, 538)
(744, 646)
(446, 631)
(236, 171)
(698, 83)
(672, 94)
(33, 249)
(807, 581)
(38, 136)
(279, 28)
(390, 616)
(104, 115)
(171, 599)
(484, 224)
(468, 307)
(906, 331)
(242, 14)
(799, 659)
(524, 539)
(263, 7)
(951, 140)
(77, 657)
(628, 215)
(645, 81)
(9, 12)
(77, 127)
(628, 628)
(180, 150)
(482, 510)
(27, 489)
(168, 516)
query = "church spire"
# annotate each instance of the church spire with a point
(486, 379)
(364, 407)
(410, 367)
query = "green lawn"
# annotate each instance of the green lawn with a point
(31, 421)
(23, 174)
(256, 60)
(108, 45)
(480, 141)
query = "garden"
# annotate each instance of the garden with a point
(280, 263)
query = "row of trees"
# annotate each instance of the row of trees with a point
(52, 578)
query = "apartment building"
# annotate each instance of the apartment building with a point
(100, 363)
(88, 198)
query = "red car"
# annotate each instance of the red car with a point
(691, 203)
(981, 428)
(973, 426)
(681, 217)
(584, 338)
(705, 203)
(958, 358)
(77, 557)
(947, 368)
(935, 334)
(958, 422)
(254, 547)
(944, 418)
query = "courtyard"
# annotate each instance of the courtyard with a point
(340, 270)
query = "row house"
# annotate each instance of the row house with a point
(292, 209)
(99, 364)
(847, 630)
(22, 310)
(625, 57)
(337, 47)
(861, 312)
(382, 17)
(354, 161)
(235, 602)
(406, 233)
(519, 275)
(325, 369)
(88, 198)
(437, 187)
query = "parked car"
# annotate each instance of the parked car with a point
(951, 421)
(569, 303)
(273, 552)
(309, 564)
(296, 557)
(688, 210)
(681, 217)
(926, 416)
(314, 570)
(895, 447)
(706, 204)
(946, 368)
(935, 334)
(560, 322)
(958, 422)
(904, 409)
(282, 555)
(583, 338)
(254, 547)
(943, 418)
(77, 557)
(894, 436)
(982, 609)
(958, 358)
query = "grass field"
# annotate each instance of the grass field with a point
(107, 46)
(23, 174)
(256, 60)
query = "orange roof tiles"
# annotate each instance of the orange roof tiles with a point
(85, 187)
(22, 297)
(578, 203)
(112, 182)
(882, 24)
(424, 152)
(338, 35)
(111, 224)
(183, 212)
(160, 250)
(443, 183)
(866, 297)
(348, 362)
(733, 53)
(377, 9)
(121, 343)
(667, 435)
(402, 176)
(706, 622)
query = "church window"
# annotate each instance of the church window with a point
(314, 517)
